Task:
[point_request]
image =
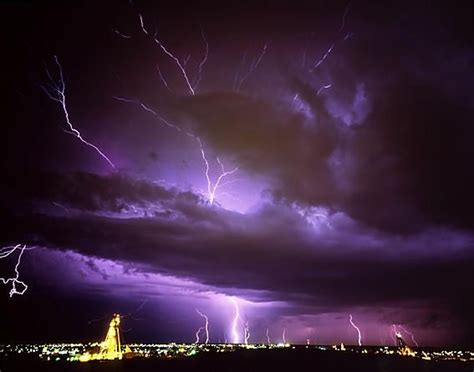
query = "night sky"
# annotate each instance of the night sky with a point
(346, 129)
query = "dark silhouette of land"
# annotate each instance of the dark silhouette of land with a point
(248, 361)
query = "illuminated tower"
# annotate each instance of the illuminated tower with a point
(110, 348)
(400, 342)
(403, 348)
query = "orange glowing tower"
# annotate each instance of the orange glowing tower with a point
(111, 347)
(402, 346)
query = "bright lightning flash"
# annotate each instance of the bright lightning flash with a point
(246, 333)
(206, 327)
(56, 91)
(192, 86)
(198, 333)
(235, 333)
(5, 252)
(359, 335)
(212, 189)
(179, 64)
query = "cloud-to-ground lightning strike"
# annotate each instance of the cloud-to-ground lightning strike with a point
(212, 189)
(56, 91)
(198, 332)
(283, 336)
(169, 54)
(246, 333)
(206, 327)
(5, 252)
(393, 333)
(359, 335)
(235, 333)
(267, 333)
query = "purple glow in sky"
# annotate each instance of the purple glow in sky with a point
(280, 170)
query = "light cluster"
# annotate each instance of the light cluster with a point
(72, 351)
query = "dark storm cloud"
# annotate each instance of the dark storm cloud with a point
(266, 140)
(87, 191)
(272, 249)
(411, 161)
(405, 156)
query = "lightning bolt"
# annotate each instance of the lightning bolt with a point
(153, 112)
(268, 337)
(212, 189)
(323, 88)
(203, 61)
(235, 333)
(331, 47)
(409, 333)
(246, 333)
(359, 336)
(253, 65)
(122, 34)
(321, 60)
(283, 336)
(343, 22)
(393, 331)
(56, 91)
(206, 327)
(137, 310)
(162, 78)
(180, 65)
(5, 252)
(197, 334)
